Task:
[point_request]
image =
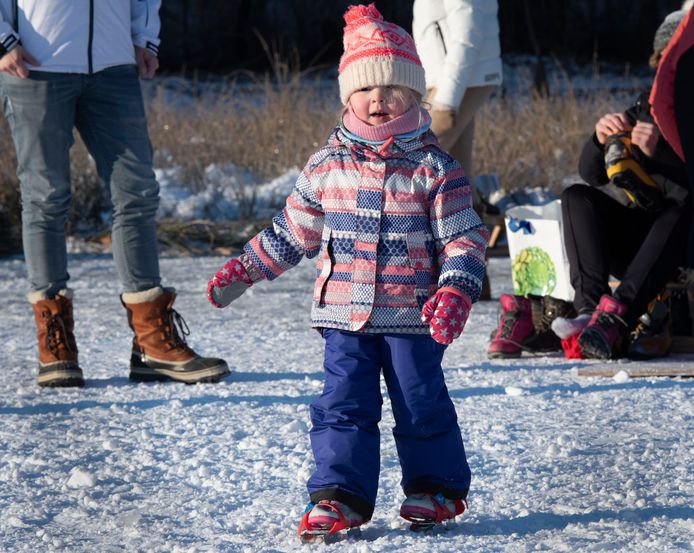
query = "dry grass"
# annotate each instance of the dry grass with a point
(272, 124)
(536, 141)
(267, 125)
(10, 231)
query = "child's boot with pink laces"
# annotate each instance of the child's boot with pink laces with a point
(601, 338)
(515, 326)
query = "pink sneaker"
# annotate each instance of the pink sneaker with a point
(424, 510)
(601, 338)
(327, 517)
(515, 326)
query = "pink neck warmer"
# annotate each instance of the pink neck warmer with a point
(411, 120)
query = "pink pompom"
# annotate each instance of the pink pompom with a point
(354, 13)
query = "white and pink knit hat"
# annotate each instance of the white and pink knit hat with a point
(377, 53)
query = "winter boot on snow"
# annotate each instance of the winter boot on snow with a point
(652, 337)
(424, 510)
(545, 309)
(160, 351)
(325, 518)
(58, 366)
(515, 326)
(601, 339)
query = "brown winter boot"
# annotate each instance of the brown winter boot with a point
(57, 347)
(160, 351)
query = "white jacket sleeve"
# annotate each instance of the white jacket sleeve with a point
(8, 37)
(463, 43)
(145, 22)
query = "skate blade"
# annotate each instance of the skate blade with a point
(422, 526)
(320, 537)
(311, 537)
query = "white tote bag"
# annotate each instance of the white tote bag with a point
(539, 262)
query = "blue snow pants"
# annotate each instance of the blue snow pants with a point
(345, 437)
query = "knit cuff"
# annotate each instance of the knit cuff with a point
(455, 291)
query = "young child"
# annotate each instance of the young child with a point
(400, 259)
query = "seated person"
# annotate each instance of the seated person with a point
(630, 222)
(672, 93)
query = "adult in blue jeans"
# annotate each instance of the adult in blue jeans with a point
(64, 67)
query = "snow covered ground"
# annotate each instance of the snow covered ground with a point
(560, 462)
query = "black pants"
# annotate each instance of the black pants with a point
(604, 238)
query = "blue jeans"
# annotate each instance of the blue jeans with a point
(345, 437)
(107, 110)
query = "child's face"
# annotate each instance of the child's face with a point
(376, 105)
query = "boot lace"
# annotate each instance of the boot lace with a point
(545, 322)
(56, 333)
(508, 319)
(607, 320)
(176, 328)
(644, 330)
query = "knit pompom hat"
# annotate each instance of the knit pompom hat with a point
(377, 53)
(667, 29)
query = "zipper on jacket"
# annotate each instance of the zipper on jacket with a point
(91, 37)
(15, 16)
(440, 33)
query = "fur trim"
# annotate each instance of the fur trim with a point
(35, 297)
(144, 296)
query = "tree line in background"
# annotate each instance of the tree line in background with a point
(222, 36)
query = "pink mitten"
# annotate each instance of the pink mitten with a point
(446, 313)
(228, 283)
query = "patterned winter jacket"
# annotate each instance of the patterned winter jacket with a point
(389, 227)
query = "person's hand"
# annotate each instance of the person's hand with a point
(645, 136)
(442, 121)
(612, 123)
(15, 62)
(147, 62)
(446, 313)
(228, 283)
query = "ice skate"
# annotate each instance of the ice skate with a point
(327, 518)
(425, 510)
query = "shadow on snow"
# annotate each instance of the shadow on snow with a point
(536, 522)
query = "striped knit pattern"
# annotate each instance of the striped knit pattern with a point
(388, 229)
